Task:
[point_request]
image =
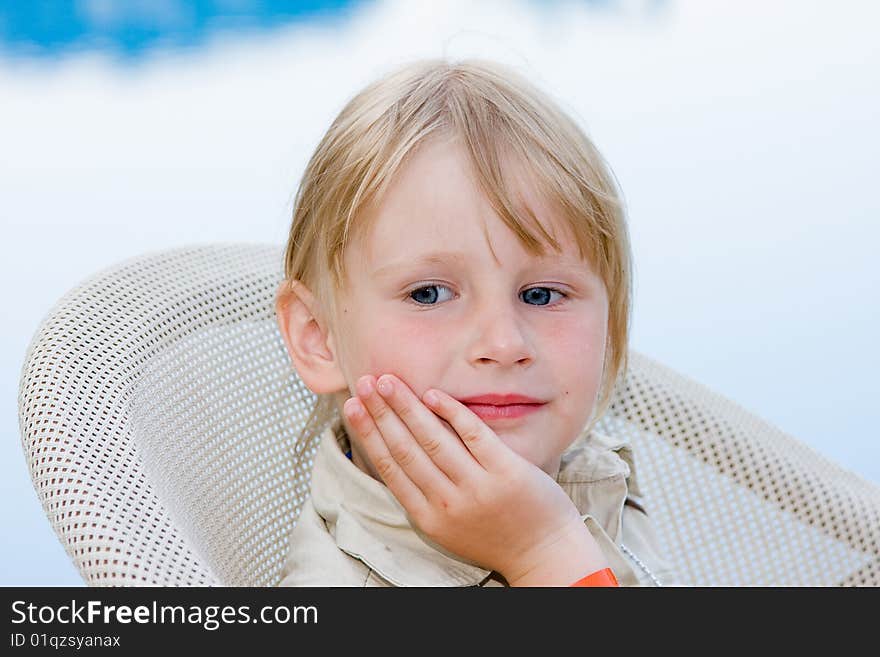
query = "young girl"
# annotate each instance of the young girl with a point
(456, 233)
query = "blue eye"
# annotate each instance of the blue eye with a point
(426, 295)
(421, 296)
(544, 292)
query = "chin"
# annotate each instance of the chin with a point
(528, 445)
(521, 447)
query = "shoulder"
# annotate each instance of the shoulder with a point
(314, 559)
(596, 455)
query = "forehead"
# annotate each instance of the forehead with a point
(435, 211)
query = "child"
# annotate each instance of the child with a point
(454, 179)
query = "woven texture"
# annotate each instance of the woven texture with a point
(159, 416)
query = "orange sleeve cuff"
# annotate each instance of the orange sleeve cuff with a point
(604, 577)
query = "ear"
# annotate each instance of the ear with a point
(309, 344)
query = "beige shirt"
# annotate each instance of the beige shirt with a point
(352, 531)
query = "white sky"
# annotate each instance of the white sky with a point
(743, 135)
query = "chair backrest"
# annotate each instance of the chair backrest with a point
(159, 414)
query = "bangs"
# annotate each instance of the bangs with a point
(518, 146)
(528, 193)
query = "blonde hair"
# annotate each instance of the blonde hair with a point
(496, 113)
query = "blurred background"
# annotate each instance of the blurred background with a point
(744, 136)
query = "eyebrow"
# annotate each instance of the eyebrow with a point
(435, 258)
(441, 257)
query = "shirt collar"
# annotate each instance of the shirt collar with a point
(369, 523)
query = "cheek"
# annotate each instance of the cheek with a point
(402, 347)
(575, 352)
(576, 345)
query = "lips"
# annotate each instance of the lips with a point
(492, 406)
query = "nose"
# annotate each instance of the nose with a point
(500, 336)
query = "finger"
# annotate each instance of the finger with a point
(400, 485)
(435, 436)
(485, 445)
(402, 445)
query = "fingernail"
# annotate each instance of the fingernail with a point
(431, 397)
(364, 387)
(353, 407)
(384, 385)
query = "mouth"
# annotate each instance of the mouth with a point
(495, 412)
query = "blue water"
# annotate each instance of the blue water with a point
(133, 29)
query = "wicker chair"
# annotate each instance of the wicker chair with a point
(158, 413)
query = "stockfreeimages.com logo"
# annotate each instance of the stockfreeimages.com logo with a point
(210, 617)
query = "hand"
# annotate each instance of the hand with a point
(466, 490)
